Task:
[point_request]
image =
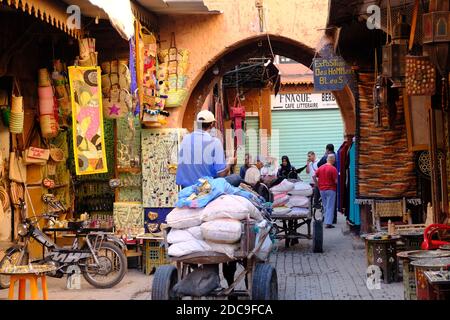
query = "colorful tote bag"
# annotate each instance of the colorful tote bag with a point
(87, 119)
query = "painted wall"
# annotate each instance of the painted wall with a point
(210, 37)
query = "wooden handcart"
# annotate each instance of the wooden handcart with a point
(289, 224)
(262, 282)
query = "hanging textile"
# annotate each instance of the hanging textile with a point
(342, 163)
(135, 108)
(354, 210)
(87, 120)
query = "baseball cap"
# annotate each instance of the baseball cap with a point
(205, 116)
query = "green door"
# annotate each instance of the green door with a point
(298, 132)
(252, 136)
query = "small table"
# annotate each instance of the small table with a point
(32, 273)
(440, 283)
(413, 239)
(154, 254)
(382, 252)
(424, 291)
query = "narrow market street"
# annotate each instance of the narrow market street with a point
(336, 274)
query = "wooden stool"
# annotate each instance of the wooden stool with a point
(22, 279)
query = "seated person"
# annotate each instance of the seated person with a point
(269, 171)
(253, 174)
(245, 167)
(286, 171)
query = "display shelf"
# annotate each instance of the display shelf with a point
(129, 170)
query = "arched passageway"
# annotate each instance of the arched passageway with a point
(256, 47)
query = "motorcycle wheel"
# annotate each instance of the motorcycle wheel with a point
(11, 258)
(112, 268)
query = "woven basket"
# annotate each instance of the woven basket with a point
(4, 198)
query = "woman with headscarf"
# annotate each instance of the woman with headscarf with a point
(286, 170)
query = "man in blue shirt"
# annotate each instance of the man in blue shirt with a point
(201, 155)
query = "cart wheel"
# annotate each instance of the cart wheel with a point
(164, 280)
(318, 236)
(265, 283)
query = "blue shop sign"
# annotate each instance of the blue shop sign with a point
(331, 74)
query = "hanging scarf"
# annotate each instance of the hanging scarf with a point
(132, 67)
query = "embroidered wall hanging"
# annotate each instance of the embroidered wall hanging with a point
(159, 154)
(128, 218)
(87, 119)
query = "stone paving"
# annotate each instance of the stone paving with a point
(339, 273)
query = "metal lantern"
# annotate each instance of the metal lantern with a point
(436, 37)
(394, 54)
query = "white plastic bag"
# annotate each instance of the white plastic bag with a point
(183, 218)
(222, 230)
(284, 186)
(232, 207)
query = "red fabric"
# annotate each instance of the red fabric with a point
(327, 176)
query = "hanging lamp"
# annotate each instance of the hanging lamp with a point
(394, 53)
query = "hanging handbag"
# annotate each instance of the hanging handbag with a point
(17, 167)
(118, 104)
(35, 155)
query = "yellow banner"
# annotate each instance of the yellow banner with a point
(87, 120)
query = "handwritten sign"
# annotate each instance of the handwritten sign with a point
(304, 101)
(331, 74)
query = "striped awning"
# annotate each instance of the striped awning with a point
(48, 11)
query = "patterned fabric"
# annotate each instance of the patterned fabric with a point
(87, 120)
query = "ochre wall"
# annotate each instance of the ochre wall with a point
(210, 37)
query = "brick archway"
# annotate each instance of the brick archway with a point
(249, 48)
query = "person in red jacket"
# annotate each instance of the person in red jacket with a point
(326, 178)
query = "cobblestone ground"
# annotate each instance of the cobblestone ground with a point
(338, 273)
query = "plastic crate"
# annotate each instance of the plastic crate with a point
(155, 255)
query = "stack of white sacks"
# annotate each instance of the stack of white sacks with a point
(216, 228)
(291, 198)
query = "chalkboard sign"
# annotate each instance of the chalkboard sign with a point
(331, 74)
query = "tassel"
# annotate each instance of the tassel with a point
(377, 116)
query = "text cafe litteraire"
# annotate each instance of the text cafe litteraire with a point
(304, 101)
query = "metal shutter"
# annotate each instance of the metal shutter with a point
(303, 131)
(252, 136)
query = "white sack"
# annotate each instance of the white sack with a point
(280, 202)
(301, 189)
(183, 248)
(178, 235)
(284, 186)
(298, 201)
(222, 230)
(227, 249)
(232, 207)
(281, 210)
(183, 218)
(196, 232)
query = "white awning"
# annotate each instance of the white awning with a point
(177, 6)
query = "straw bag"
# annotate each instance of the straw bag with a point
(34, 155)
(17, 114)
(118, 104)
(17, 168)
